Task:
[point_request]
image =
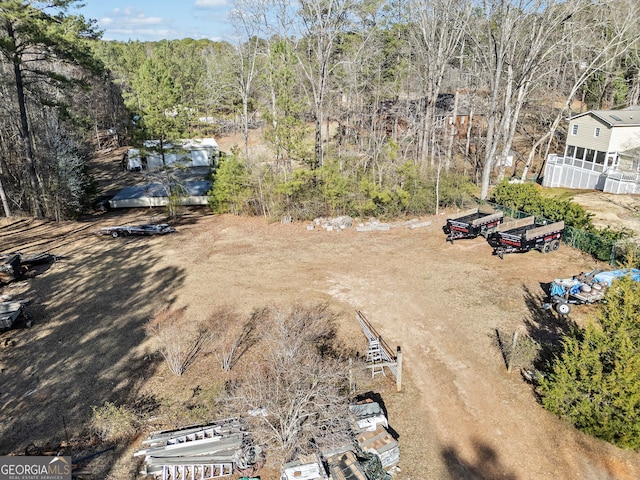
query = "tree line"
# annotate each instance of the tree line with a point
(365, 87)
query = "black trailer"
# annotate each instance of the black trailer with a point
(471, 223)
(137, 230)
(524, 235)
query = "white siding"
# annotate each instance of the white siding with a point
(625, 138)
(585, 137)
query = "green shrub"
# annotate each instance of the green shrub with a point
(112, 423)
(526, 197)
(595, 382)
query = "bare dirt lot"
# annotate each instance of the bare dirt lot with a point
(460, 415)
(613, 211)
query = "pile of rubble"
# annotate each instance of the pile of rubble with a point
(201, 452)
(338, 224)
(14, 266)
(224, 448)
(373, 454)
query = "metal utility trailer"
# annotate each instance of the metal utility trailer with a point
(587, 288)
(524, 235)
(10, 313)
(137, 230)
(471, 223)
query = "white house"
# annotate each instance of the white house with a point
(197, 152)
(602, 153)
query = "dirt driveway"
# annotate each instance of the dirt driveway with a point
(460, 414)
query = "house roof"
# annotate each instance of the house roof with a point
(631, 153)
(193, 188)
(626, 117)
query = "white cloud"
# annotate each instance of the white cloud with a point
(134, 24)
(125, 18)
(209, 3)
(144, 20)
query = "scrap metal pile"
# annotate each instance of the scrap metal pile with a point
(201, 452)
(584, 289)
(224, 448)
(373, 453)
(14, 266)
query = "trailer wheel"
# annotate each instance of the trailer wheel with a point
(115, 234)
(555, 245)
(546, 248)
(563, 308)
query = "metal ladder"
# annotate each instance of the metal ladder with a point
(374, 357)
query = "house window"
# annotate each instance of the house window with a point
(590, 155)
(574, 129)
(596, 132)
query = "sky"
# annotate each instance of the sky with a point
(152, 20)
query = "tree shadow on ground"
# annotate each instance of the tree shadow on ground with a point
(486, 467)
(545, 326)
(377, 397)
(85, 346)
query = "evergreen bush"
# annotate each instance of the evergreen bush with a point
(595, 382)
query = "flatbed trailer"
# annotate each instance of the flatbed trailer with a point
(137, 230)
(524, 235)
(471, 223)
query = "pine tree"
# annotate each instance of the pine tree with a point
(595, 383)
(230, 191)
(35, 38)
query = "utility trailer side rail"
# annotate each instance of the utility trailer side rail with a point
(471, 223)
(525, 235)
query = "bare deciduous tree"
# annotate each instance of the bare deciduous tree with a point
(179, 339)
(232, 336)
(586, 52)
(298, 394)
(514, 40)
(437, 34)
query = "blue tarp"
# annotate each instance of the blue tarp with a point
(575, 288)
(609, 277)
(556, 289)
